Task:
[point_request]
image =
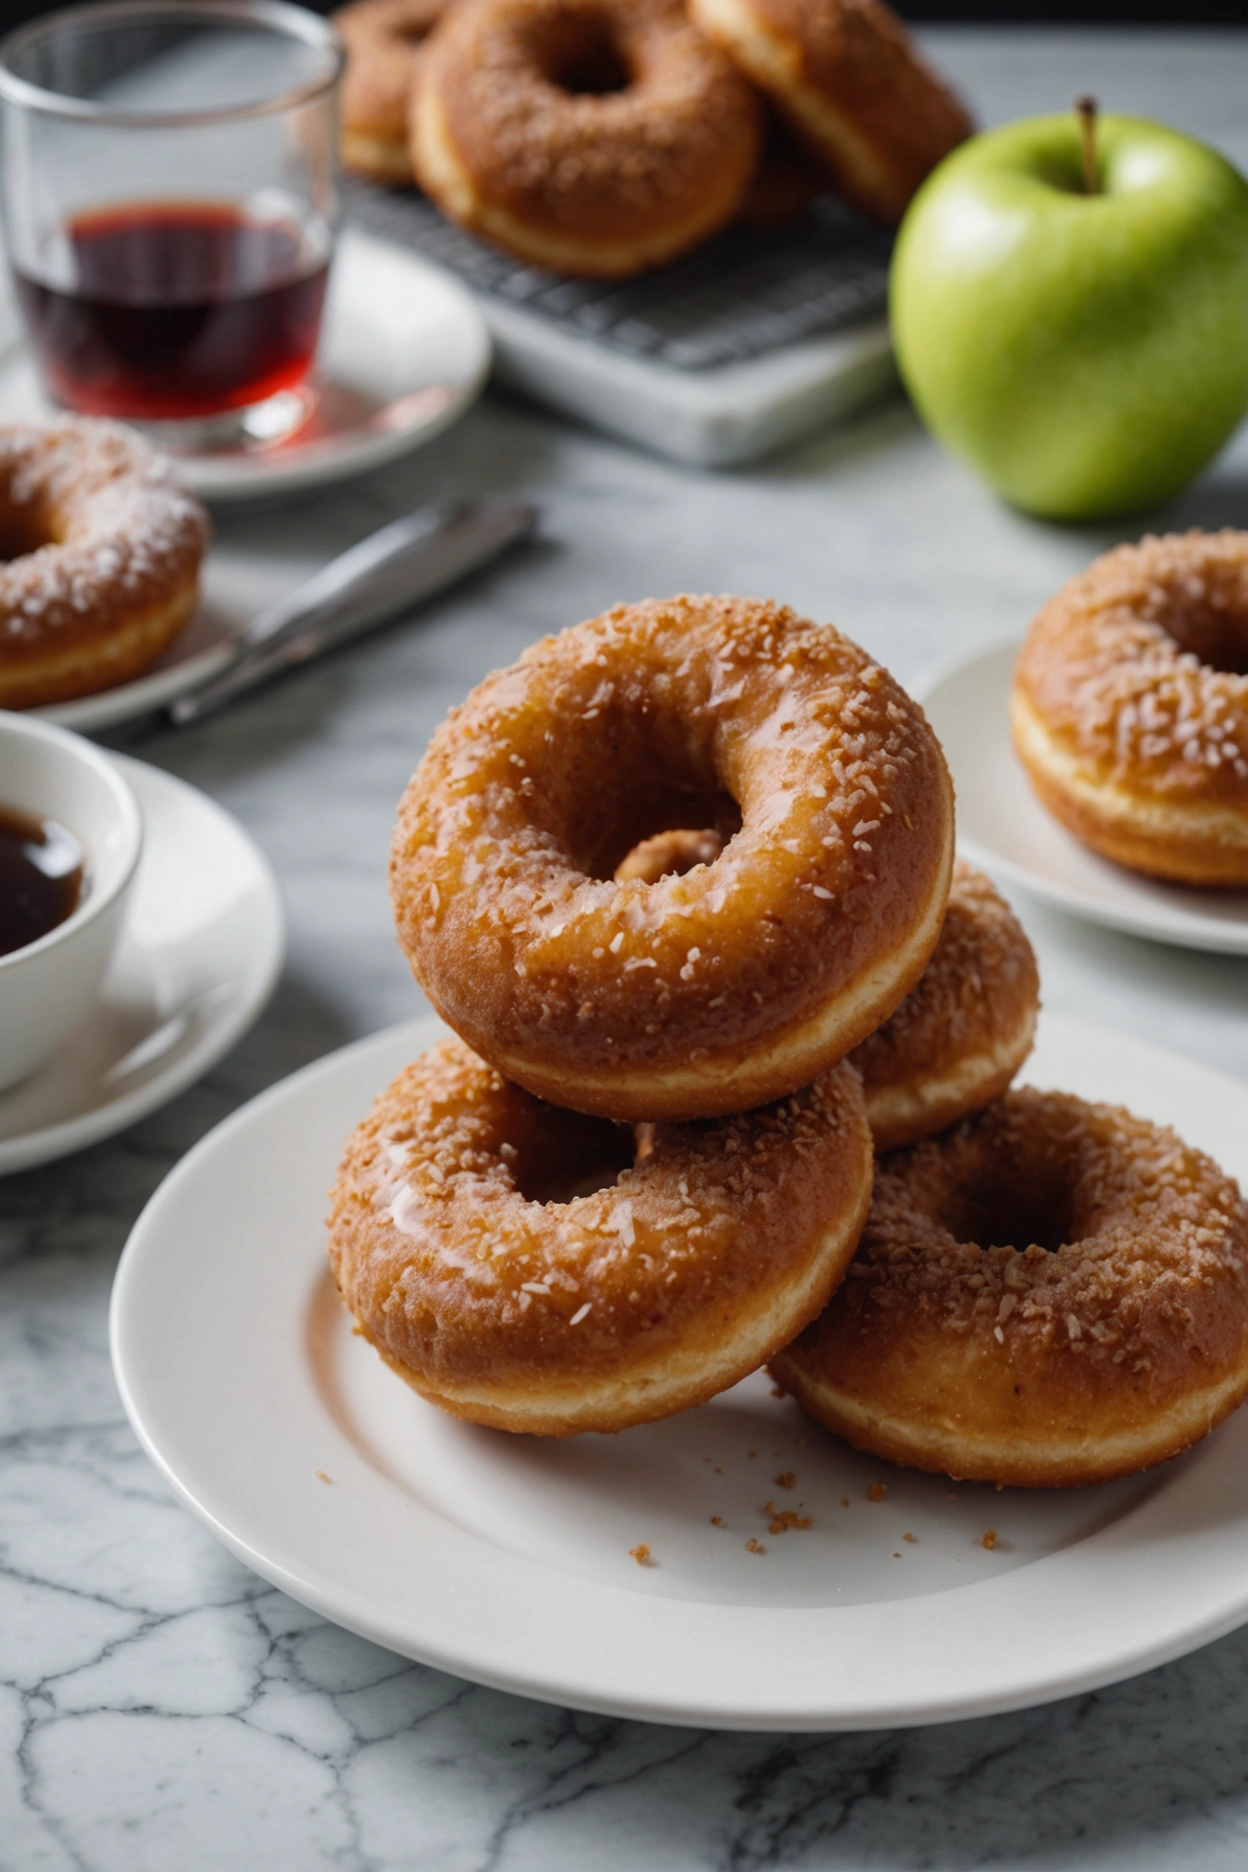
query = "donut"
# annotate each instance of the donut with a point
(850, 80)
(960, 1036)
(519, 1266)
(385, 42)
(1051, 1294)
(1129, 707)
(701, 994)
(99, 560)
(593, 137)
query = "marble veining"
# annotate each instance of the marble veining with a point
(160, 1706)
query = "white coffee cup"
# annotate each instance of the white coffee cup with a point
(49, 987)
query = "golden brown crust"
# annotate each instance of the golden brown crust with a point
(469, 1262)
(701, 994)
(593, 182)
(960, 1036)
(1130, 706)
(852, 83)
(385, 42)
(1111, 1335)
(103, 556)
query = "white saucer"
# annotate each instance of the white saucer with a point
(506, 1559)
(1003, 826)
(199, 956)
(404, 352)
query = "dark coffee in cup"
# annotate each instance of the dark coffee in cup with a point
(42, 870)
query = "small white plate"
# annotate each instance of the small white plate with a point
(1003, 826)
(506, 1559)
(199, 955)
(404, 352)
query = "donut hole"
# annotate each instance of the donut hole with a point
(566, 1155)
(1011, 1209)
(24, 528)
(1216, 634)
(583, 57)
(636, 783)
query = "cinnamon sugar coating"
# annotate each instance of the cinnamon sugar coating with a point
(1130, 705)
(591, 135)
(1052, 1293)
(959, 1037)
(696, 994)
(102, 557)
(851, 81)
(385, 42)
(470, 1261)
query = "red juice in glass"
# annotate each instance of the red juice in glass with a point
(178, 310)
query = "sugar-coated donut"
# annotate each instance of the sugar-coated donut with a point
(385, 42)
(850, 80)
(1101, 1326)
(593, 137)
(1130, 707)
(960, 1036)
(704, 993)
(103, 553)
(471, 1263)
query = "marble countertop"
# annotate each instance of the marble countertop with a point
(161, 1706)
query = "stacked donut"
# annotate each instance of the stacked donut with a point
(603, 137)
(682, 882)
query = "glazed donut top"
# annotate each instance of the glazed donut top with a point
(457, 1203)
(1063, 1222)
(705, 712)
(1138, 667)
(576, 109)
(93, 530)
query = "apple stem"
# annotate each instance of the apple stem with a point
(1085, 110)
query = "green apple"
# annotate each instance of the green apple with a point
(1085, 352)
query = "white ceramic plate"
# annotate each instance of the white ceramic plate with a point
(199, 956)
(403, 353)
(1003, 826)
(506, 1559)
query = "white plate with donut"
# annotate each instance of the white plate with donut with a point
(1002, 825)
(404, 352)
(199, 955)
(507, 1559)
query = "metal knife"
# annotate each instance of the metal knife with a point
(390, 571)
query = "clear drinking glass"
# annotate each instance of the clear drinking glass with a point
(169, 197)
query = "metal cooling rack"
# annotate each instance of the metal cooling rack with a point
(744, 294)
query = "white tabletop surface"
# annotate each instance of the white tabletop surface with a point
(162, 1708)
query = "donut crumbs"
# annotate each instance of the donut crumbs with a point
(322, 1477)
(877, 1491)
(989, 1540)
(787, 1480)
(754, 1546)
(782, 1519)
(640, 1553)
